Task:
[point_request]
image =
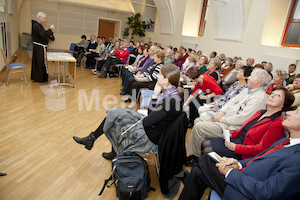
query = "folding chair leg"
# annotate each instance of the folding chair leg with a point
(5, 76)
(8, 76)
(24, 75)
(21, 74)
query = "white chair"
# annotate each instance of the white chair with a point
(13, 68)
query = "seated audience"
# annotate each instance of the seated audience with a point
(269, 67)
(90, 57)
(80, 49)
(213, 67)
(295, 88)
(184, 54)
(222, 58)
(278, 79)
(92, 46)
(119, 57)
(110, 44)
(199, 54)
(128, 76)
(144, 80)
(233, 114)
(259, 66)
(135, 53)
(203, 60)
(226, 67)
(168, 54)
(291, 75)
(130, 46)
(100, 69)
(191, 61)
(250, 61)
(231, 76)
(147, 135)
(209, 89)
(177, 59)
(213, 54)
(258, 133)
(206, 112)
(273, 174)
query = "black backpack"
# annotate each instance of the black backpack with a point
(130, 176)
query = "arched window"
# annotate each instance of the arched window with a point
(291, 36)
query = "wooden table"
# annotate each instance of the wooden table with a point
(60, 59)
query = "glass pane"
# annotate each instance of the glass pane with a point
(293, 34)
(296, 14)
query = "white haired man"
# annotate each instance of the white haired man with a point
(232, 115)
(40, 37)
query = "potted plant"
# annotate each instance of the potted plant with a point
(136, 26)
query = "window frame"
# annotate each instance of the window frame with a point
(202, 19)
(288, 23)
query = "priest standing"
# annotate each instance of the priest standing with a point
(40, 36)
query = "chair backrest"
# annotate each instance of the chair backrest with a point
(4, 58)
(127, 60)
(72, 46)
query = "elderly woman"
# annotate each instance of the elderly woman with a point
(209, 89)
(238, 86)
(226, 67)
(168, 54)
(127, 74)
(177, 59)
(258, 133)
(203, 60)
(213, 67)
(144, 137)
(230, 78)
(278, 79)
(192, 59)
(269, 67)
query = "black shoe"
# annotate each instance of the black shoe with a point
(102, 76)
(109, 156)
(87, 141)
(86, 67)
(190, 160)
(3, 174)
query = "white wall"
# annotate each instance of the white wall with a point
(12, 21)
(250, 45)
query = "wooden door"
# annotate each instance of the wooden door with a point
(106, 29)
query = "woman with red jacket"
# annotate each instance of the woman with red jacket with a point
(258, 133)
(208, 88)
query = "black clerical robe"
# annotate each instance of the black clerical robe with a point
(40, 37)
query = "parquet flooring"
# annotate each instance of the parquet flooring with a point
(36, 146)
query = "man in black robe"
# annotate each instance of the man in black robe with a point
(40, 36)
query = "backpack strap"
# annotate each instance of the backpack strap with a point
(105, 184)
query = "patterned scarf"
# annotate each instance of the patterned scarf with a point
(173, 91)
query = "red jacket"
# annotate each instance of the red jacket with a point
(259, 137)
(122, 54)
(209, 86)
(271, 86)
(184, 58)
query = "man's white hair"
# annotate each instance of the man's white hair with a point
(40, 14)
(264, 75)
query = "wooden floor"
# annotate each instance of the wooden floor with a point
(36, 146)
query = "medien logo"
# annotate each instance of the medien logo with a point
(92, 100)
